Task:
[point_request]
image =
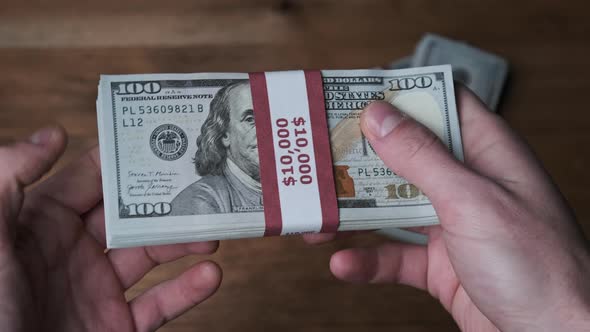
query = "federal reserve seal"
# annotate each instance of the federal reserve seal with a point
(168, 142)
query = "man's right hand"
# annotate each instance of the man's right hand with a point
(508, 254)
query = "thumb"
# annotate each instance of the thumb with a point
(23, 163)
(414, 152)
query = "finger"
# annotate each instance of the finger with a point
(24, 163)
(77, 186)
(94, 221)
(391, 262)
(171, 298)
(131, 264)
(319, 238)
(416, 153)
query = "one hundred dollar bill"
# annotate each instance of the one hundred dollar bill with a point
(179, 152)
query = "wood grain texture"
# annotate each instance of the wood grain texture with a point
(52, 53)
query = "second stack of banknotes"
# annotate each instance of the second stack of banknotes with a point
(180, 161)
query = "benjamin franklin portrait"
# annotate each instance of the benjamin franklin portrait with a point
(226, 158)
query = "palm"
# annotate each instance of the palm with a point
(59, 277)
(482, 150)
(74, 287)
(443, 283)
(477, 245)
(488, 144)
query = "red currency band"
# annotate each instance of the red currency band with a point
(326, 210)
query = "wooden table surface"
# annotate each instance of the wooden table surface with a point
(52, 52)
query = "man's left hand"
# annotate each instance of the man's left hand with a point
(54, 272)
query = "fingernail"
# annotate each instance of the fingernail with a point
(42, 136)
(380, 118)
(209, 273)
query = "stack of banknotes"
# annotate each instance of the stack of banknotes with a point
(179, 153)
